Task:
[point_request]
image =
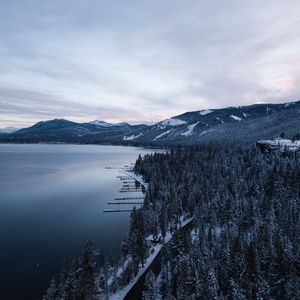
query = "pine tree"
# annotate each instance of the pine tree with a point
(150, 289)
(52, 291)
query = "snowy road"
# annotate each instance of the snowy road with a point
(136, 291)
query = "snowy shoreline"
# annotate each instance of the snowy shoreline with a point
(155, 250)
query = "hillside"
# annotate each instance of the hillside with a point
(242, 123)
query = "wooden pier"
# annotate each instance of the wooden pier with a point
(129, 198)
(124, 177)
(130, 191)
(130, 185)
(117, 210)
(125, 202)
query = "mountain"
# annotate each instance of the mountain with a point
(245, 124)
(8, 130)
(242, 123)
(61, 130)
(105, 124)
(100, 123)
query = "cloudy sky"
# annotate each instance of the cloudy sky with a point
(140, 60)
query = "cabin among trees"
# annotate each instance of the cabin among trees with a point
(279, 144)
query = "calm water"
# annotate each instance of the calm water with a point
(51, 202)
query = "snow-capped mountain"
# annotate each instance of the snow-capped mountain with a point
(61, 130)
(100, 123)
(231, 123)
(246, 123)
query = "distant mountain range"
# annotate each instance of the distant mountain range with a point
(241, 123)
(8, 129)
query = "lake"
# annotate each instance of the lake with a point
(51, 201)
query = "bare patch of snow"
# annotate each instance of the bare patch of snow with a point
(288, 104)
(205, 112)
(220, 120)
(190, 129)
(235, 118)
(170, 122)
(132, 137)
(161, 135)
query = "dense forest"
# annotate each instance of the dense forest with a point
(245, 239)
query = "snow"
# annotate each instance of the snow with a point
(173, 122)
(132, 137)
(245, 115)
(288, 104)
(170, 122)
(204, 132)
(190, 129)
(282, 144)
(136, 177)
(154, 252)
(220, 120)
(235, 118)
(122, 293)
(194, 235)
(101, 123)
(205, 112)
(161, 135)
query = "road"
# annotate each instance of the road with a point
(137, 290)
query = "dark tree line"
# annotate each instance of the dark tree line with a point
(77, 279)
(246, 243)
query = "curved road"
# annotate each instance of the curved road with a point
(137, 290)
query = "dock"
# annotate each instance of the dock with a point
(124, 177)
(128, 198)
(117, 210)
(125, 202)
(130, 191)
(130, 185)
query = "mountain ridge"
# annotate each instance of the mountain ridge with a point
(230, 123)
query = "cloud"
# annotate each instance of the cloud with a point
(144, 60)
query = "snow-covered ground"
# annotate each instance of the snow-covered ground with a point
(205, 112)
(170, 122)
(132, 137)
(161, 135)
(190, 129)
(288, 104)
(281, 144)
(154, 251)
(101, 123)
(220, 120)
(235, 118)
(137, 177)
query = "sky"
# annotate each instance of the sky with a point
(144, 61)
